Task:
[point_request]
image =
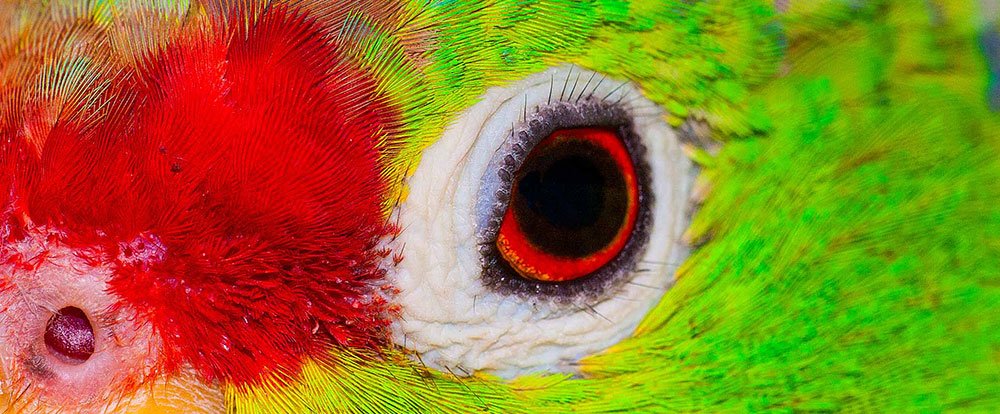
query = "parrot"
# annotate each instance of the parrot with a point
(505, 206)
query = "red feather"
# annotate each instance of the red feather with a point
(234, 184)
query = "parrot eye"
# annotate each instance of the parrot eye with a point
(541, 227)
(573, 205)
(570, 215)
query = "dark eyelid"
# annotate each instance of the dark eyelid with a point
(494, 194)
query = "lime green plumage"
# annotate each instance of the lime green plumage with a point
(848, 255)
(848, 246)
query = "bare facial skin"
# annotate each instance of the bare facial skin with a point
(40, 372)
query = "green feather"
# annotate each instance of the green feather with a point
(849, 249)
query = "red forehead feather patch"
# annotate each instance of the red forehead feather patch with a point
(235, 187)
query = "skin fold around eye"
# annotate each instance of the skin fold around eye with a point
(461, 313)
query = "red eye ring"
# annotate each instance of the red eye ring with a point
(517, 240)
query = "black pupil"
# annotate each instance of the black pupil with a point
(570, 198)
(569, 194)
(69, 336)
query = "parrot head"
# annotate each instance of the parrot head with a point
(451, 206)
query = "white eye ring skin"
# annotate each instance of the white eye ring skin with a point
(455, 319)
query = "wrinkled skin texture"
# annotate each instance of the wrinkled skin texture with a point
(210, 183)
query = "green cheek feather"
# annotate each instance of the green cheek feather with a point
(844, 226)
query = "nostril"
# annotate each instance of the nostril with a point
(70, 336)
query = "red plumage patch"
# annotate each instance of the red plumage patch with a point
(234, 183)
